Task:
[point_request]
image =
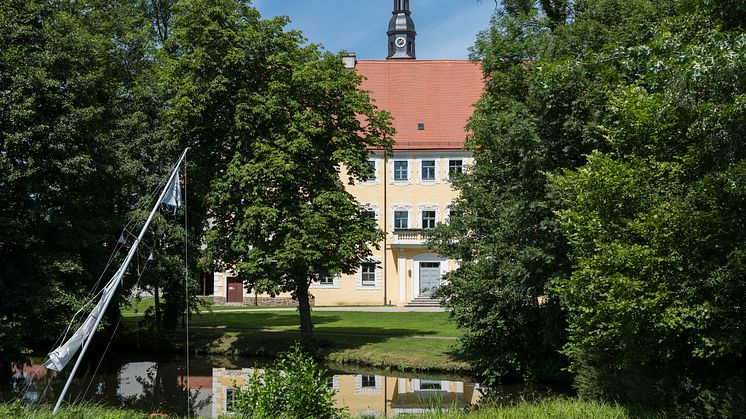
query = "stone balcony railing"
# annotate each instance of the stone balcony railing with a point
(409, 236)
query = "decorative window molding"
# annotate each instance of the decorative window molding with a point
(375, 209)
(373, 384)
(465, 158)
(328, 283)
(408, 180)
(427, 207)
(419, 385)
(376, 179)
(400, 207)
(376, 261)
(421, 169)
(455, 163)
(428, 219)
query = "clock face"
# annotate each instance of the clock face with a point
(400, 41)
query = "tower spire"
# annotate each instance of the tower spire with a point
(401, 33)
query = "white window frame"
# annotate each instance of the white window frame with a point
(410, 169)
(422, 218)
(333, 285)
(400, 207)
(376, 179)
(377, 282)
(420, 178)
(359, 389)
(455, 159)
(408, 172)
(465, 162)
(395, 219)
(375, 209)
(445, 386)
(428, 207)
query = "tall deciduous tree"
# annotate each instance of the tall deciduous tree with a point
(657, 299)
(272, 123)
(62, 197)
(647, 257)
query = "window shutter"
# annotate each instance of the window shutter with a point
(379, 271)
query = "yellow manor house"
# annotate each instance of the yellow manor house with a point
(430, 101)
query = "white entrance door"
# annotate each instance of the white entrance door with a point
(429, 277)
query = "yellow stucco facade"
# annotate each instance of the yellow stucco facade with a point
(411, 192)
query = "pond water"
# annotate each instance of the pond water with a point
(160, 385)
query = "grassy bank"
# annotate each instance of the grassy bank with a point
(558, 408)
(68, 412)
(397, 341)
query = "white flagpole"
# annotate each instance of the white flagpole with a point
(118, 279)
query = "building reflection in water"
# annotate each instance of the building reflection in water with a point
(152, 386)
(366, 396)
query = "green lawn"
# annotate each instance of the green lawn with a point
(351, 322)
(402, 341)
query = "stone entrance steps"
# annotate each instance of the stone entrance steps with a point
(423, 302)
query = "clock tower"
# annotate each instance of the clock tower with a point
(401, 33)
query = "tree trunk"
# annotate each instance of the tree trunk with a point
(157, 306)
(304, 308)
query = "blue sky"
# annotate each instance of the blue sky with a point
(445, 28)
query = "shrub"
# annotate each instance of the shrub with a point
(292, 388)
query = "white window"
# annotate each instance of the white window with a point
(372, 165)
(431, 385)
(368, 381)
(428, 170)
(230, 400)
(428, 219)
(455, 166)
(327, 280)
(401, 170)
(368, 273)
(370, 214)
(401, 220)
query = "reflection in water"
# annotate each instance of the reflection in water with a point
(367, 396)
(160, 386)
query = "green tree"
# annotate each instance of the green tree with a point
(656, 296)
(64, 181)
(272, 122)
(548, 89)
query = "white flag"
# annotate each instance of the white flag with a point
(59, 357)
(173, 194)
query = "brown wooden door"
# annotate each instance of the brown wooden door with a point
(235, 290)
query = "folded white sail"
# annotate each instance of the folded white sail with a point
(59, 357)
(172, 198)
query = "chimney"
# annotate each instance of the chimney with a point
(350, 60)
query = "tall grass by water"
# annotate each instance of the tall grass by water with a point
(83, 411)
(559, 408)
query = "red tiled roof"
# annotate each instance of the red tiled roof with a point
(437, 93)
